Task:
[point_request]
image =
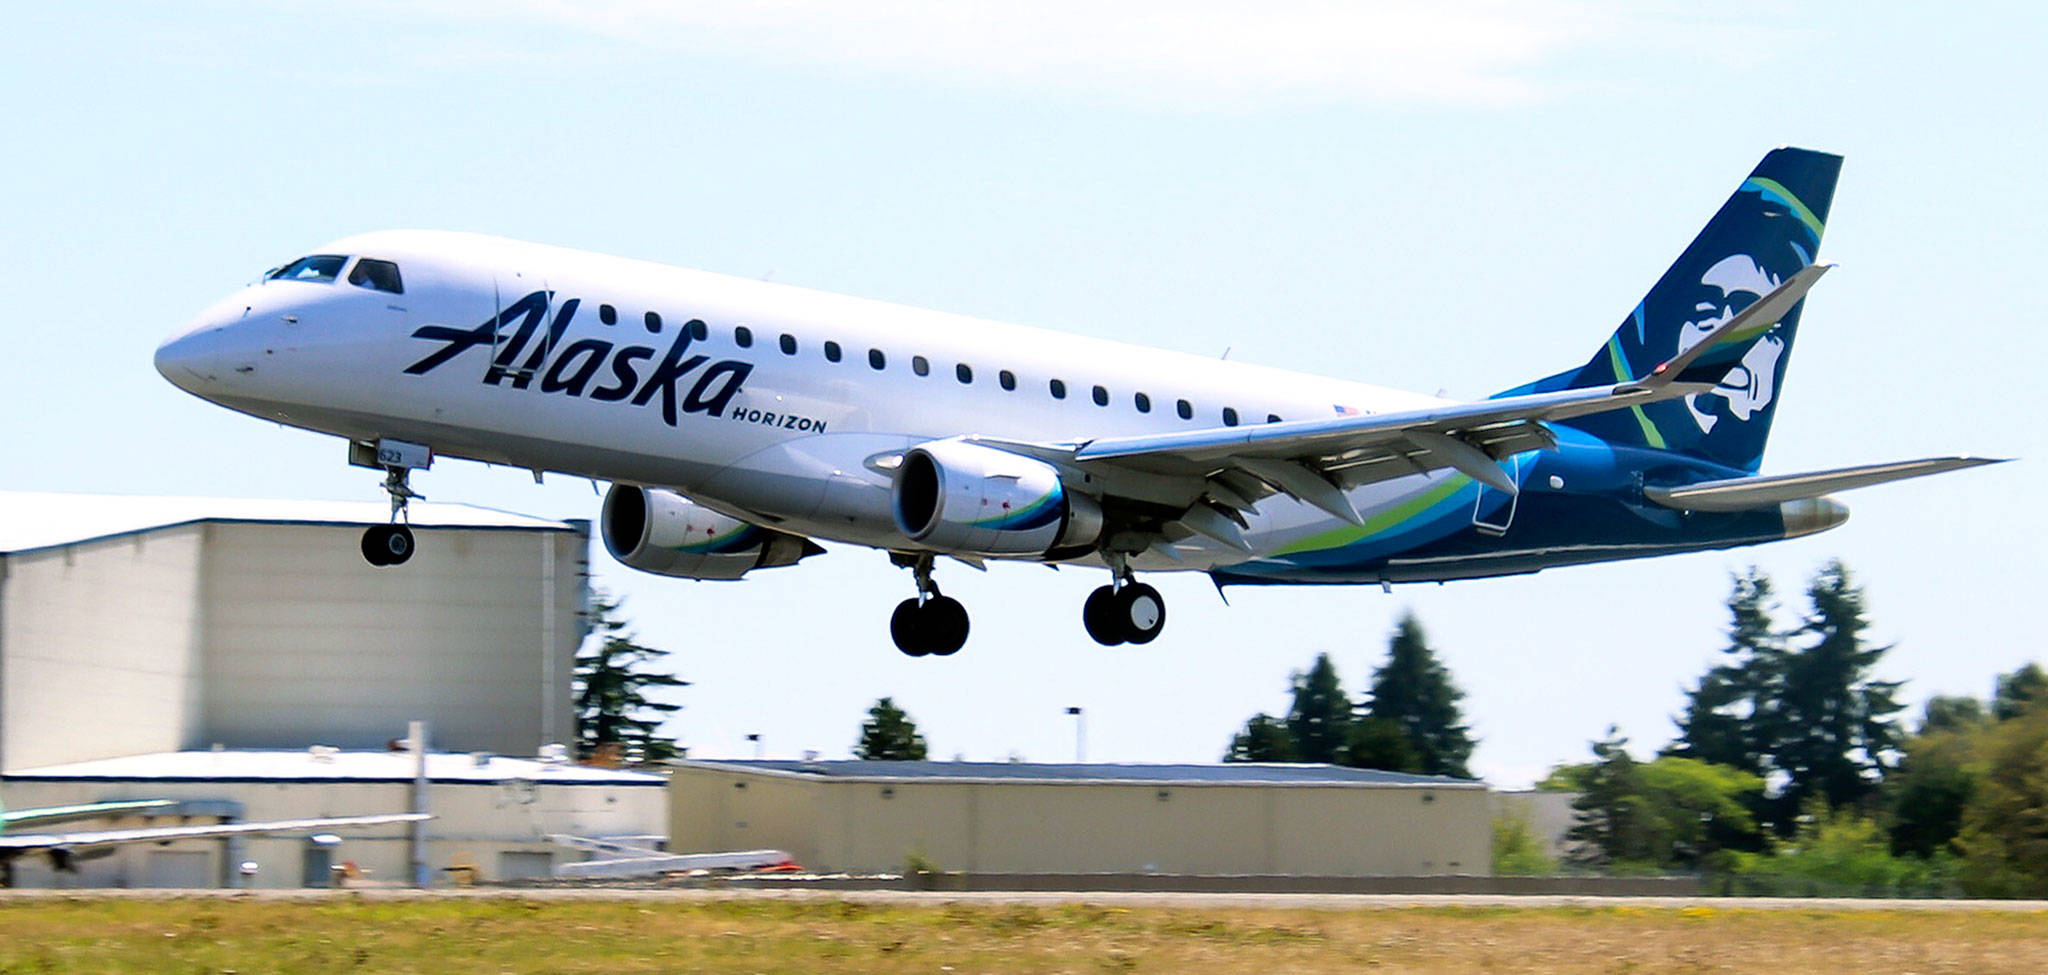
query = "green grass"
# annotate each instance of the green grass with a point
(202, 935)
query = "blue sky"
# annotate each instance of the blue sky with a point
(1458, 196)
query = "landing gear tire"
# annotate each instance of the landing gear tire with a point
(1100, 616)
(936, 627)
(1141, 612)
(387, 544)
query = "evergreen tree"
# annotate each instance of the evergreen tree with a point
(1729, 716)
(1835, 731)
(1381, 743)
(1414, 694)
(613, 711)
(1264, 739)
(888, 735)
(1319, 720)
(2019, 691)
(1610, 825)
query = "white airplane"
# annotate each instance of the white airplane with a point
(739, 421)
(66, 848)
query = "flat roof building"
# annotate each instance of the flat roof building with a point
(133, 625)
(997, 817)
(493, 820)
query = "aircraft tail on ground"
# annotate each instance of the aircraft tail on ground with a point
(1766, 233)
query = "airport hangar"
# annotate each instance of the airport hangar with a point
(239, 654)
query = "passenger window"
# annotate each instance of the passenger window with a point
(877, 359)
(788, 343)
(607, 314)
(743, 337)
(373, 273)
(1059, 389)
(965, 372)
(1144, 402)
(653, 321)
(831, 352)
(320, 268)
(1101, 396)
(1008, 379)
(1229, 416)
(1272, 418)
(920, 366)
(1185, 409)
(698, 330)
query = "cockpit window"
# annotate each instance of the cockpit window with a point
(319, 267)
(381, 275)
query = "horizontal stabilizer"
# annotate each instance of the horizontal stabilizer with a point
(1742, 493)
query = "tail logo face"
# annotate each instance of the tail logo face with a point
(1730, 285)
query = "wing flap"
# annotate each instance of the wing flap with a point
(1742, 493)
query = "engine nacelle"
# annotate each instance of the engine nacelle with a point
(961, 497)
(667, 534)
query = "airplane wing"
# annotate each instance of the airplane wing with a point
(16, 844)
(1317, 460)
(90, 810)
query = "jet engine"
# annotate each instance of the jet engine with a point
(956, 496)
(667, 534)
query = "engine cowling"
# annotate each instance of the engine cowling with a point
(961, 497)
(667, 534)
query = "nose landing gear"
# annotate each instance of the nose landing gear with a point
(930, 624)
(392, 544)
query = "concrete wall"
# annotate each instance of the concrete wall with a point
(276, 635)
(99, 649)
(1039, 827)
(307, 643)
(475, 825)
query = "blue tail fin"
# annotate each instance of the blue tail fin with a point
(1765, 233)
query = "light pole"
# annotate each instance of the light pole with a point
(758, 747)
(1080, 735)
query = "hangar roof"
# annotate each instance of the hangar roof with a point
(32, 520)
(326, 765)
(1229, 773)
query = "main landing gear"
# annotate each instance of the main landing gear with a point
(930, 624)
(1125, 611)
(391, 544)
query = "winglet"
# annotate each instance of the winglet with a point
(1719, 348)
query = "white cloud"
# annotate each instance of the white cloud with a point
(1196, 52)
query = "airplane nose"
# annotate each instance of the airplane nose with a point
(191, 360)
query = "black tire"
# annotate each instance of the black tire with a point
(907, 628)
(945, 625)
(374, 549)
(398, 545)
(1141, 611)
(1100, 616)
